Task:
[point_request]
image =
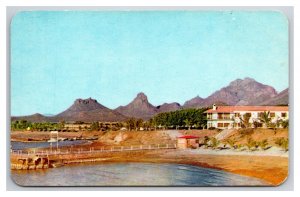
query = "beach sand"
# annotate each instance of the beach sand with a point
(269, 165)
(272, 169)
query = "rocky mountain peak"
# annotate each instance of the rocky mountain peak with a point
(85, 101)
(245, 91)
(166, 107)
(142, 97)
(244, 81)
(139, 108)
(194, 102)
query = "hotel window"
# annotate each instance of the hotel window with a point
(226, 116)
(220, 116)
(272, 115)
(226, 124)
(220, 125)
(283, 115)
(237, 115)
(209, 116)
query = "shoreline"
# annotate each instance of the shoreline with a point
(271, 169)
(259, 169)
(269, 165)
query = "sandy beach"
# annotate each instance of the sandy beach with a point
(269, 165)
(270, 168)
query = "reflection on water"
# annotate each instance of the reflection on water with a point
(25, 145)
(131, 174)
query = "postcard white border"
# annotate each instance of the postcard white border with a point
(293, 77)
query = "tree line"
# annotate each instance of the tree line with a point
(183, 119)
(37, 126)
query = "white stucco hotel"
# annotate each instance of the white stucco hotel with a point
(226, 117)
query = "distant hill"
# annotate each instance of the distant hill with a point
(89, 110)
(86, 110)
(138, 108)
(33, 118)
(281, 99)
(239, 92)
(195, 102)
(167, 107)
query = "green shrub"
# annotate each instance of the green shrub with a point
(263, 144)
(283, 143)
(214, 142)
(205, 141)
(251, 143)
(239, 146)
(285, 124)
(231, 143)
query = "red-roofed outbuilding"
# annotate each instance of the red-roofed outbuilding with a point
(187, 141)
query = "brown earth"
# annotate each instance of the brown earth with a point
(272, 169)
(115, 137)
(241, 136)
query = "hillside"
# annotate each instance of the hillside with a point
(167, 107)
(33, 118)
(195, 102)
(138, 108)
(242, 92)
(245, 91)
(281, 99)
(86, 110)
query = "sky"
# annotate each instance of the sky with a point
(171, 56)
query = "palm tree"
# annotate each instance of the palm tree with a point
(138, 124)
(263, 144)
(187, 122)
(245, 120)
(285, 123)
(128, 124)
(214, 142)
(283, 143)
(265, 118)
(231, 143)
(205, 141)
(250, 143)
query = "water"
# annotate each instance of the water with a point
(131, 174)
(25, 145)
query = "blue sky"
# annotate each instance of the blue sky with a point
(57, 57)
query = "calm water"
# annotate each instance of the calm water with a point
(25, 145)
(131, 174)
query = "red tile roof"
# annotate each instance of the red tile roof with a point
(188, 137)
(228, 109)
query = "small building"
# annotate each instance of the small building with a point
(77, 126)
(187, 141)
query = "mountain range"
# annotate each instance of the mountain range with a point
(239, 92)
